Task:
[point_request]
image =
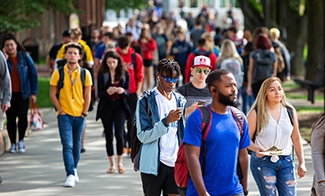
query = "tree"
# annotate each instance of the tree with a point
(117, 5)
(314, 65)
(287, 15)
(16, 15)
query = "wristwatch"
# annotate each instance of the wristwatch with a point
(85, 115)
(246, 192)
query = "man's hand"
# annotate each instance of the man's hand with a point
(5, 107)
(173, 116)
(33, 98)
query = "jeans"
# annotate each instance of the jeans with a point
(246, 99)
(270, 176)
(71, 129)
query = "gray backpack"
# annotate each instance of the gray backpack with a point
(263, 66)
(236, 68)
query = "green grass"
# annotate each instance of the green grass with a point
(304, 96)
(291, 85)
(309, 109)
(43, 96)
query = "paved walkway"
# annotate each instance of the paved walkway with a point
(40, 170)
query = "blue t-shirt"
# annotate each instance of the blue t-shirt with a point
(223, 142)
(100, 51)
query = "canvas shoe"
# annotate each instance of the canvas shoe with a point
(70, 182)
(76, 177)
(13, 148)
(21, 146)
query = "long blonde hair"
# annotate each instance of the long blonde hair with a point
(261, 101)
(228, 50)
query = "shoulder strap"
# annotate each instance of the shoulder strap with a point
(134, 61)
(83, 78)
(205, 126)
(290, 113)
(239, 119)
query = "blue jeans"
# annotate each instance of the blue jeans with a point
(270, 176)
(246, 99)
(71, 129)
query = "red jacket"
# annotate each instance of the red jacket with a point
(127, 60)
(189, 63)
(148, 48)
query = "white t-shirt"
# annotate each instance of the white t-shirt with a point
(277, 134)
(168, 142)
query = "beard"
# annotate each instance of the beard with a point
(226, 100)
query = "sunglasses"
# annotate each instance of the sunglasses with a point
(169, 80)
(206, 71)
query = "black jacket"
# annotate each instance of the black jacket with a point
(102, 93)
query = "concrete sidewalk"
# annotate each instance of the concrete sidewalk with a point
(40, 170)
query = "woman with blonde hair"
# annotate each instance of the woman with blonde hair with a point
(209, 43)
(318, 156)
(273, 128)
(231, 61)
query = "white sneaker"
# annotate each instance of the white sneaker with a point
(76, 177)
(70, 182)
(13, 148)
(21, 146)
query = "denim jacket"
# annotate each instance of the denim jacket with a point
(27, 74)
(149, 133)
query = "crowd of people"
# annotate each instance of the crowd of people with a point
(173, 71)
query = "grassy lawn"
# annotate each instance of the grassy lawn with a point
(43, 96)
(300, 96)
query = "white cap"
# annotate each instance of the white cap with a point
(202, 61)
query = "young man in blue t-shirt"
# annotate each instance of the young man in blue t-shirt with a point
(224, 143)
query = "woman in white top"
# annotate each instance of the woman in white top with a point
(270, 126)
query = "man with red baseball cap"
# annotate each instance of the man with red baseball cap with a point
(196, 92)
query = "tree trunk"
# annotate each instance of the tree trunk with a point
(314, 66)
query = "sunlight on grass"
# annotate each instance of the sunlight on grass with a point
(43, 95)
(299, 96)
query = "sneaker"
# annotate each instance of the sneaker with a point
(13, 148)
(76, 177)
(125, 152)
(21, 146)
(70, 182)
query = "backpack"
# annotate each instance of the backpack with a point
(134, 61)
(136, 144)
(280, 65)
(290, 114)
(235, 67)
(61, 80)
(181, 170)
(263, 66)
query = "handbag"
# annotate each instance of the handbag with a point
(36, 122)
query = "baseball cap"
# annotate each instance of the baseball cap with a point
(66, 33)
(202, 61)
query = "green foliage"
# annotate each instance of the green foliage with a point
(257, 4)
(304, 109)
(304, 96)
(16, 15)
(43, 95)
(117, 5)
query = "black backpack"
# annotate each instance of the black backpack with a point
(136, 144)
(263, 66)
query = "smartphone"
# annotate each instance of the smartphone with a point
(180, 108)
(113, 87)
(201, 102)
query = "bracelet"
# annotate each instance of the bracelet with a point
(246, 192)
(85, 115)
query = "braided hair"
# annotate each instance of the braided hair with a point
(169, 66)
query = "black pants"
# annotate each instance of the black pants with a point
(256, 88)
(132, 101)
(19, 108)
(114, 113)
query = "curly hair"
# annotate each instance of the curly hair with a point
(168, 65)
(119, 70)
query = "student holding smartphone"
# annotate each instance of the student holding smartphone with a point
(196, 92)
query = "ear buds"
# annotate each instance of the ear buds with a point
(214, 90)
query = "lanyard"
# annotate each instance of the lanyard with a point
(73, 82)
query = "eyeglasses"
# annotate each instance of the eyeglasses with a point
(206, 71)
(169, 80)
